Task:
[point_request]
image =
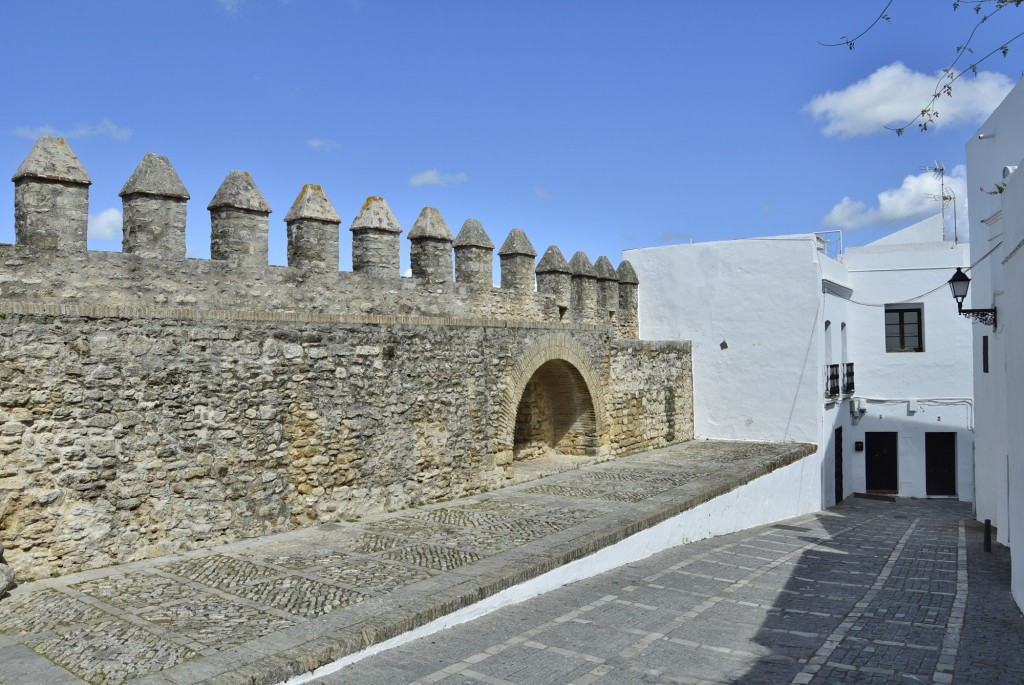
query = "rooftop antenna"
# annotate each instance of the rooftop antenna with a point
(945, 195)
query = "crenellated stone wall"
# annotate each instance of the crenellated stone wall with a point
(151, 403)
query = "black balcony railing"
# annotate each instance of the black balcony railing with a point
(848, 385)
(832, 380)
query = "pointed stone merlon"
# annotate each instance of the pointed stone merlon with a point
(583, 305)
(313, 231)
(153, 203)
(474, 255)
(375, 234)
(607, 289)
(238, 221)
(517, 256)
(51, 198)
(554, 277)
(628, 284)
(430, 252)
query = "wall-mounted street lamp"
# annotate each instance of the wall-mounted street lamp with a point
(959, 284)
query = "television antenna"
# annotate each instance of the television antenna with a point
(945, 195)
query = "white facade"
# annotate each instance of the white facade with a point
(912, 393)
(767, 317)
(997, 255)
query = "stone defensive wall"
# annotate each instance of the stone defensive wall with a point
(152, 403)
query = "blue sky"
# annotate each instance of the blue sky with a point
(591, 124)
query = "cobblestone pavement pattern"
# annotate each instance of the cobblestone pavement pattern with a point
(868, 592)
(259, 611)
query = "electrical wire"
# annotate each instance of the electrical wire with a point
(933, 290)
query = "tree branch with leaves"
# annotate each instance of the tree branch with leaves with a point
(985, 10)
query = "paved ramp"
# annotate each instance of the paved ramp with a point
(260, 611)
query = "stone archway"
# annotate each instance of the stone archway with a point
(553, 404)
(555, 414)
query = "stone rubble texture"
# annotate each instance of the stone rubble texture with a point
(154, 210)
(239, 222)
(474, 254)
(313, 231)
(51, 198)
(152, 404)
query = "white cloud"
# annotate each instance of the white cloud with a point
(104, 128)
(231, 6)
(894, 94)
(106, 225)
(542, 193)
(433, 177)
(916, 198)
(322, 144)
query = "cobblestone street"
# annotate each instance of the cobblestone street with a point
(868, 592)
(259, 611)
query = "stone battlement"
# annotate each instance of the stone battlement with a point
(451, 275)
(151, 403)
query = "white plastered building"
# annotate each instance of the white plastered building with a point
(863, 355)
(996, 208)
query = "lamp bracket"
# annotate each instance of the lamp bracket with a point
(983, 316)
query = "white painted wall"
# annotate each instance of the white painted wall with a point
(752, 310)
(994, 222)
(1012, 309)
(917, 272)
(781, 307)
(895, 416)
(912, 393)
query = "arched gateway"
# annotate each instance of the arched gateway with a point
(553, 404)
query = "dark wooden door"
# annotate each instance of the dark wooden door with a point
(880, 462)
(940, 464)
(839, 464)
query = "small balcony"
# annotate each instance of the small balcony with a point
(848, 385)
(832, 381)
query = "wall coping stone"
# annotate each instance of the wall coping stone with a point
(155, 176)
(239, 191)
(604, 270)
(581, 266)
(376, 215)
(472, 234)
(52, 159)
(430, 225)
(553, 262)
(517, 244)
(312, 203)
(627, 274)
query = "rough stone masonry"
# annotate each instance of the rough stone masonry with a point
(151, 403)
